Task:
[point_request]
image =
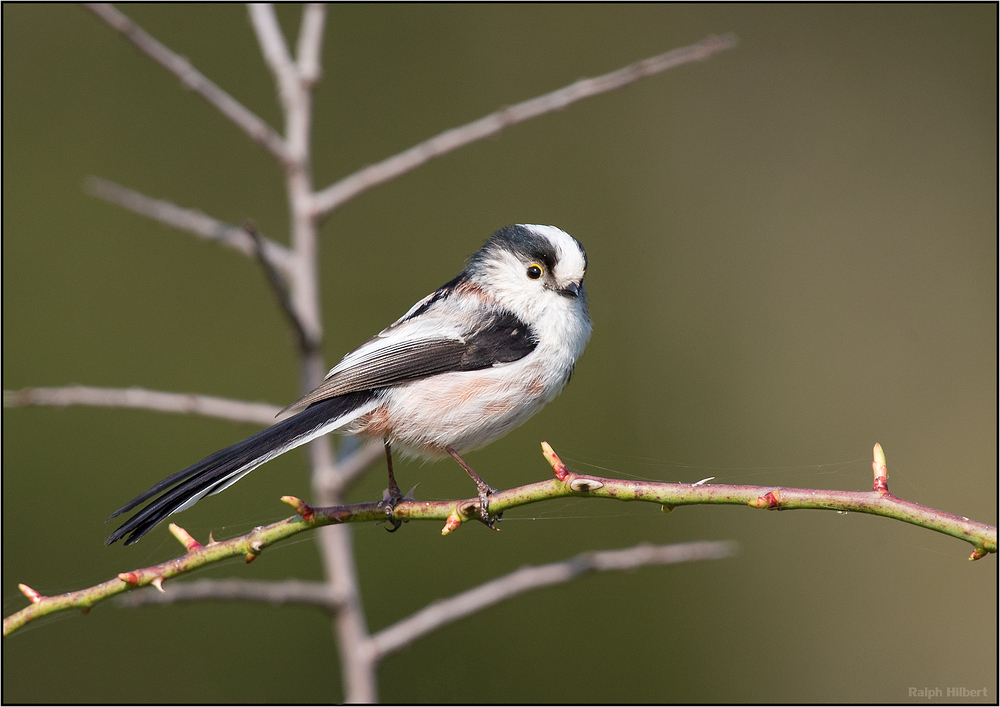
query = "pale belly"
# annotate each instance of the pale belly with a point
(464, 410)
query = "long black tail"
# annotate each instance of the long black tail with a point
(214, 473)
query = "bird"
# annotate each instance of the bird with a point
(463, 367)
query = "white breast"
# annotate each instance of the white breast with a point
(469, 409)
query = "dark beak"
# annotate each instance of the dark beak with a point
(571, 290)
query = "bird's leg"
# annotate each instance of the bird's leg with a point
(393, 492)
(484, 488)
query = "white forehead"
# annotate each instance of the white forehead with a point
(572, 261)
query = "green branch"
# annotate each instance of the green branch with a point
(879, 502)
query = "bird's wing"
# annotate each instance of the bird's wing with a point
(426, 345)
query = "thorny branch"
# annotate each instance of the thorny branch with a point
(566, 483)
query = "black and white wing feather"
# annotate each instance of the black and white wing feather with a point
(434, 337)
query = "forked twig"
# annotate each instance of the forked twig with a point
(307, 345)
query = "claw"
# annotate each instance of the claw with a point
(485, 490)
(390, 499)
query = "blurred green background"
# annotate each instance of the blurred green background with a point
(793, 255)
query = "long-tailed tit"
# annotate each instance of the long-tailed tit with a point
(467, 364)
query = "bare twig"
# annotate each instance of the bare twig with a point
(349, 187)
(275, 50)
(440, 613)
(140, 398)
(275, 278)
(188, 220)
(289, 591)
(310, 43)
(446, 611)
(259, 131)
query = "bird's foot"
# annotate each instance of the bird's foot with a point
(485, 490)
(390, 499)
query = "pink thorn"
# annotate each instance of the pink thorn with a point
(558, 468)
(301, 507)
(881, 483)
(184, 537)
(158, 583)
(32, 595)
(769, 500)
(453, 522)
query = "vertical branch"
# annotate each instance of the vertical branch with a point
(296, 103)
(295, 80)
(357, 659)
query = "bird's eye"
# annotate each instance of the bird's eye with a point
(534, 271)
